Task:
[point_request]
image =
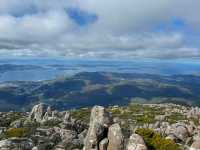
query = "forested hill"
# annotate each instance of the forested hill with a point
(101, 88)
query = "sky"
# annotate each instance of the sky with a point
(118, 29)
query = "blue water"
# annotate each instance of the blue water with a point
(53, 68)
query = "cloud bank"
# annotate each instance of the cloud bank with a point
(100, 28)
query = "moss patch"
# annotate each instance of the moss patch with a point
(154, 140)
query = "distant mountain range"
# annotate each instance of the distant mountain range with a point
(48, 69)
(102, 88)
(11, 67)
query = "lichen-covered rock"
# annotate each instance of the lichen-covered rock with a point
(77, 126)
(82, 136)
(194, 112)
(35, 148)
(48, 114)
(16, 144)
(95, 134)
(100, 120)
(67, 117)
(101, 116)
(136, 142)
(195, 145)
(17, 123)
(115, 137)
(38, 112)
(179, 130)
(68, 135)
(160, 117)
(103, 144)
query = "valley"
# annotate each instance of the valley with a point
(100, 88)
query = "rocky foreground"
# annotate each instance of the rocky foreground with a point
(134, 127)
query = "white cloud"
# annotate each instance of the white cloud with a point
(127, 15)
(34, 27)
(123, 29)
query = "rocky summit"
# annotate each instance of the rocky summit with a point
(132, 127)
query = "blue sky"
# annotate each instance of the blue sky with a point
(82, 18)
(100, 29)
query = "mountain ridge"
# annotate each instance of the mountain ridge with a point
(102, 88)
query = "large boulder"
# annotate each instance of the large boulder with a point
(194, 112)
(100, 120)
(35, 148)
(67, 117)
(38, 112)
(103, 144)
(115, 137)
(75, 125)
(179, 130)
(16, 143)
(195, 145)
(46, 138)
(69, 139)
(101, 116)
(17, 123)
(136, 142)
(48, 114)
(68, 135)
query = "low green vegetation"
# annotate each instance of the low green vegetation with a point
(175, 117)
(140, 114)
(81, 114)
(16, 132)
(51, 123)
(154, 140)
(9, 118)
(196, 121)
